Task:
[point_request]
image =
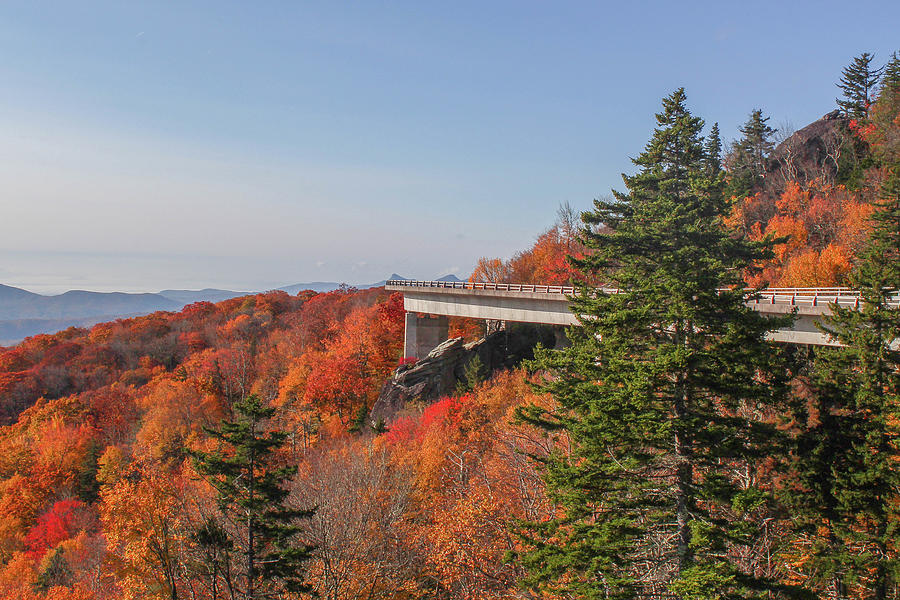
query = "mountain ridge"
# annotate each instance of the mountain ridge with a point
(24, 313)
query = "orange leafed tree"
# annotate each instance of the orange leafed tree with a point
(145, 526)
(822, 226)
(348, 373)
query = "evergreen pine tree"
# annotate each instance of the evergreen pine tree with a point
(858, 82)
(749, 157)
(257, 535)
(848, 461)
(890, 79)
(649, 394)
(473, 373)
(757, 142)
(713, 151)
(358, 422)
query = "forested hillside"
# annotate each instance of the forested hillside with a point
(814, 188)
(225, 451)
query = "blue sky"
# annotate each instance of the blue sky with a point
(248, 145)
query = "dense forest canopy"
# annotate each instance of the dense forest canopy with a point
(224, 451)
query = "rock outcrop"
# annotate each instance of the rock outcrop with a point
(809, 153)
(436, 375)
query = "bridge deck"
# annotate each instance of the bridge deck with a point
(549, 304)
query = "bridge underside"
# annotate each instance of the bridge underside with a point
(548, 309)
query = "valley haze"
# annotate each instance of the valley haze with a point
(24, 313)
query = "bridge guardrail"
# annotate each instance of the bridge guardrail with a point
(478, 285)
(792, 296)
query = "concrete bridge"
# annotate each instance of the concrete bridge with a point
(428, 304)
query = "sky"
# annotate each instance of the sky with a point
(250, 145)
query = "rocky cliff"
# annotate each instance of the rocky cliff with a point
(436, 375)
(819, 150)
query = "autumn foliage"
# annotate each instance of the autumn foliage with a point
(823, 223)
(821, 227)
(99, 422)
(98, 498)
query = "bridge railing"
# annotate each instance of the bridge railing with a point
(809, 296)
(478, 285)
(793, 296)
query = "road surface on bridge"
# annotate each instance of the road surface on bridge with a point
(549, 304)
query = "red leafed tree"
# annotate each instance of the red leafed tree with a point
(348, 374)
(62, 521)
(319, 314)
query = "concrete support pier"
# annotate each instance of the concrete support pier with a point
(423, 334)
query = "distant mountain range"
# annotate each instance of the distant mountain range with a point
(24, 313)
(16, 303)
(450, 277)
(185, 297)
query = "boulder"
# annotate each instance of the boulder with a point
(436, 375)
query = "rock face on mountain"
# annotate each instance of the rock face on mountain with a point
(809, 153)
(436, 375)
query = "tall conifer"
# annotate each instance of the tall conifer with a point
(253, 548)
(890, 80)
(858, 82)
(713, 150)
(848, 460)
(650, 393)
(749, 157)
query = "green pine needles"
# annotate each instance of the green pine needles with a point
(748, 161)
(858, 84)
(658, 395)
(848, 461)
(251, 552)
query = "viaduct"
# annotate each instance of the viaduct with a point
(428, 304)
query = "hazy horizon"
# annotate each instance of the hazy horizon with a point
(53, 290)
